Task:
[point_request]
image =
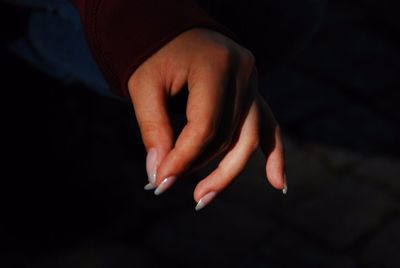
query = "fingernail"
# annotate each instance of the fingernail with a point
(150, 186)
(284, 190)
(205, 200)
(151, 165)
(164, 185)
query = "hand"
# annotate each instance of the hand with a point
(225, 115)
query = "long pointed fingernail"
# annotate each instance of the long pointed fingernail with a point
(150, 186)
(164, 185)
(284, 190)
(151, 165)
(205, 200)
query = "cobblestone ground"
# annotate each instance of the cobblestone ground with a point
(73, 183)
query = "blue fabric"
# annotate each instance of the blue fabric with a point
(55, 43)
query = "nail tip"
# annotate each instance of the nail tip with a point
(205, 200)
(157, 192)
(199, 205)
(164, 185)
(285, 189)
(149, 187)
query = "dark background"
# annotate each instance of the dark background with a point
(73, 162)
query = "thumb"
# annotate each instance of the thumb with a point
(150, 104)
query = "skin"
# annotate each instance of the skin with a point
(225, 114)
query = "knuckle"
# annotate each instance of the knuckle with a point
(150, 128)
(248, 58)
(254, 144)
(136, 78)
(132, 82)
(222, 52)
(205, 131)
(278, 127)
(222, 170)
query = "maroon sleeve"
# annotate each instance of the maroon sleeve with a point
(122, 34)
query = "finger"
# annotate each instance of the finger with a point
(149, 101)
(272, 146)
(233, 163)
(205, 101)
